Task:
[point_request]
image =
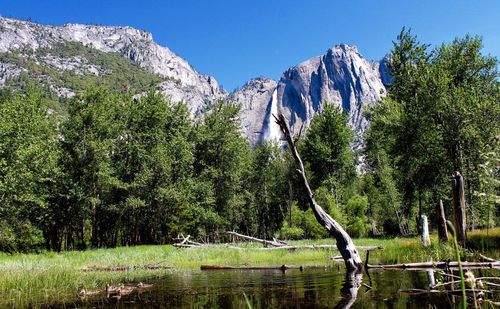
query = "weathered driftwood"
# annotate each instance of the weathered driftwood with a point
(344, 242)
(442, 265)
(262, 241)
(426, 240)
(441, 222)
(457, 184)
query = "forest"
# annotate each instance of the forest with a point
(114, 169)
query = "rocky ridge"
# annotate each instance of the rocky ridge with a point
(341, 76)
(136, 45)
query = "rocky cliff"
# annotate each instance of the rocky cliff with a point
(255, 98)
(341, 76)
(184, 83)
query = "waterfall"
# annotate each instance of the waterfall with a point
(272, 130)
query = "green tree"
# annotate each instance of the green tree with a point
(327, 153)
(269, 187)
(29, 172)
(92, 134)
(222, 159)
(441, 111)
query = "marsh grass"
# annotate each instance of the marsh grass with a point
(487, 240)
(33, 280)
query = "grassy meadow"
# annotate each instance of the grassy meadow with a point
(48, 278)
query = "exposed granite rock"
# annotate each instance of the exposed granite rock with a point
(77, 65)
(8, 71)
(255, 99)
(341, 77)
(134, 44)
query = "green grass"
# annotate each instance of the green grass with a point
(48, 278)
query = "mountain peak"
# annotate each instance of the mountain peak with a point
(343, 49)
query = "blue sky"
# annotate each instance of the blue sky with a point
(238, 40)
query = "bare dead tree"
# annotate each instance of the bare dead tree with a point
(344, 242)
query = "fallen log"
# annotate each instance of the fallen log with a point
(313, 247)
(432, 265)
(282, 267)
(215, 267)
(262, 241)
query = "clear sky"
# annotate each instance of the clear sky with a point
(235, 40)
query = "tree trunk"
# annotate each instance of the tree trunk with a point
(441, 222)
(69, 237)
(459, 207)
(83, 243)
(345, 244)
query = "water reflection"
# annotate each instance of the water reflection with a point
(276, 289)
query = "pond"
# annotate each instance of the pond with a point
(314, 288)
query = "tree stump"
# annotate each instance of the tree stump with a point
(441, 222)
(457, 188)
(426, 240)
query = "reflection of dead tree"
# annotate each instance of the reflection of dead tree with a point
(349, 290)
(344, 242)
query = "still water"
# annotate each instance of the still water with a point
(318, 288)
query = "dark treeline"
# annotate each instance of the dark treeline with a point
(111, 170)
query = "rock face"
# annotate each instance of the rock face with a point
(341, 76)
(255, 98)
(137, 45)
